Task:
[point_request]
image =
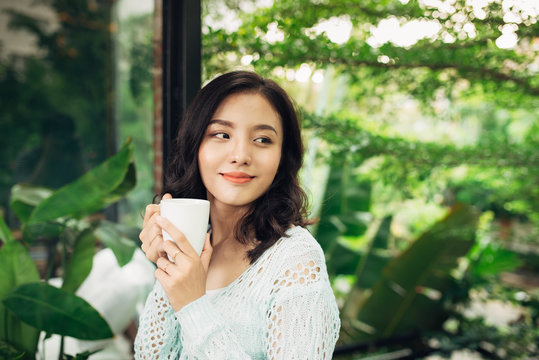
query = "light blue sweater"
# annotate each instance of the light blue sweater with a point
(281, 307)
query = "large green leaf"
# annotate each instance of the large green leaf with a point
(343, 259)
(24, 198)
(57, 311)
(80, 263)
(369, 270)
(47, 230)
(127, 184)
(91, 192)
(346, 201)
(409, 294)
(16, 268)
(5, 233)
(122, 240)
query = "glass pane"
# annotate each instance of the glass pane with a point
(56, 78)
(134, 99)
(75, 83)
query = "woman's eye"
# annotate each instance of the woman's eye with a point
(263, 140)
(221, 135)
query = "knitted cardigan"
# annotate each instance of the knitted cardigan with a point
(281, 307)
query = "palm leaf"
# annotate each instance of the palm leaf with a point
(409, 295)
(57, 311)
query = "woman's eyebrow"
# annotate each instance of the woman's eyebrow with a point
(231, 125)
(265, 127)
(221, 122)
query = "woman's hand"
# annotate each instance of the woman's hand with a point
(151, 235)
(184, 278)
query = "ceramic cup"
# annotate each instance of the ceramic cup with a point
(190, 216)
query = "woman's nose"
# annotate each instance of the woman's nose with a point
(240, 153)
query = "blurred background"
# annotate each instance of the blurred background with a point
(421, 129)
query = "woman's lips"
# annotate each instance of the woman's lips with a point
(237, 177)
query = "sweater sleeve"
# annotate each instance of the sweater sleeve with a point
(303, 319)
(158, 330)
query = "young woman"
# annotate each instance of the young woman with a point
(260, 288)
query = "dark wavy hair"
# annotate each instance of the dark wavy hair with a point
(284, 204)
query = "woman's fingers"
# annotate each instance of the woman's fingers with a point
(152, 239)
(178, 237)
(165, 265)
(155, 249)
(151, 234)
(151, 210)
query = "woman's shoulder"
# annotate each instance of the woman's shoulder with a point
(296, 264)
(299, 244)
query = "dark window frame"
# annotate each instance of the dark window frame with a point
(182, 65)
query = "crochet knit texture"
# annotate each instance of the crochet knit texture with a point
(281, 307)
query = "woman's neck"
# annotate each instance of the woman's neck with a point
(223, 223)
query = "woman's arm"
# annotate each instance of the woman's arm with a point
(303, 326)
(158, 330)
(303, 320)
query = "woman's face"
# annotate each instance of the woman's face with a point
(241, 150)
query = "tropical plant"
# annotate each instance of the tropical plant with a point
(393, 293)
(66, 219)
(411, 289)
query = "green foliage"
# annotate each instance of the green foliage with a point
(376, 258)
(56, 311)
(480, 81)
(517, 340)
(63, 217)
(346, 203)
(97, 188)
(80, 263)
(422, 61)
(5, 234)
(408, 295)
(58, 111)
(8, 352)
(493, 260)
(16, 268)
(119, 239)
(135, 110)
(24, 199)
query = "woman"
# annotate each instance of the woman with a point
(260, 288)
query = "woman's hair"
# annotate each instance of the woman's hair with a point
(284, 203)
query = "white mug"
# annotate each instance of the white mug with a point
(190, 216)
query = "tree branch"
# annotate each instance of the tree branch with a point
(472, 72)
